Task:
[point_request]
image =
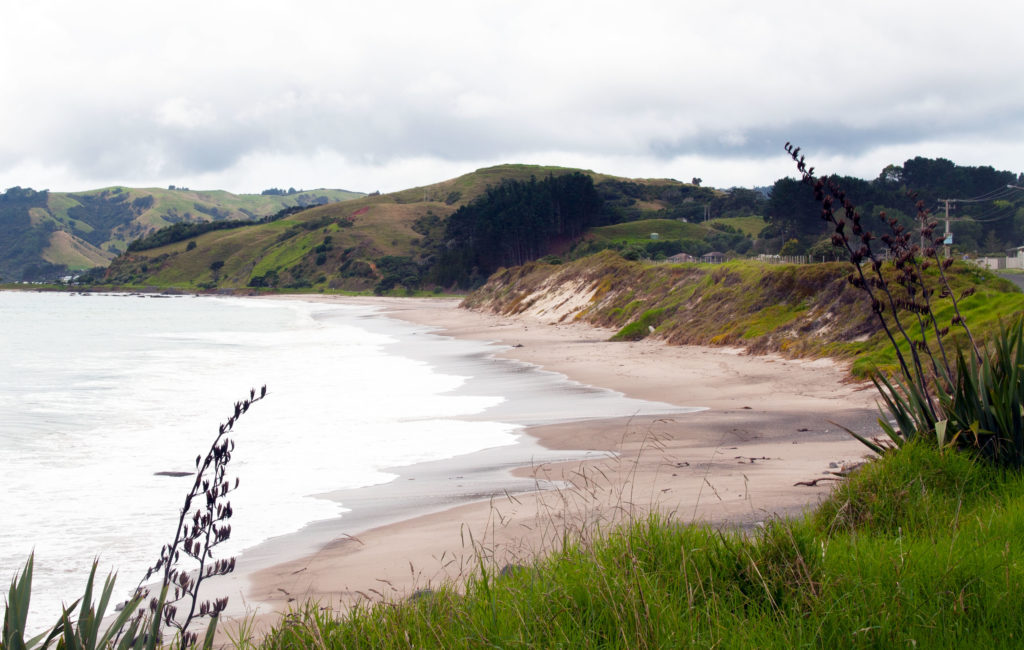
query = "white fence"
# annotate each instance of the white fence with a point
(1000, 263)
(783, 259)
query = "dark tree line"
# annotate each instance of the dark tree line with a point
(793, 214)
(937, 178)
(513, 223)
(621, 196)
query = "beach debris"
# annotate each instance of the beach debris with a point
(814, 482)
(173, 474)
(846, 468)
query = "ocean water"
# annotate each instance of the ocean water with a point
(98, 393)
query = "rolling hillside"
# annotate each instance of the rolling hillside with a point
(382, 241)
(44, 235)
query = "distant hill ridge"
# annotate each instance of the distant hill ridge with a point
(404, 240)
(44, 235)
(453, 234)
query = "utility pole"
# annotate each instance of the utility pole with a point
(947, 237)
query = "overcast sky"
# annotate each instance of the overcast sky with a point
(392, 94)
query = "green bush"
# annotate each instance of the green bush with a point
(791, 248)
(641, 327)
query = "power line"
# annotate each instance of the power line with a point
(997, 194)
(993, 215)
(992, 195)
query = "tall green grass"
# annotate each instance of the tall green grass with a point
(920, 549)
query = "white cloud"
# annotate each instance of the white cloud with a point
(183, 113)
(393, 92)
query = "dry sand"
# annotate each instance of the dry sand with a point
(766, 427)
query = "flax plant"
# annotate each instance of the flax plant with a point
(86, 631)
(202, 527)
(970, 396)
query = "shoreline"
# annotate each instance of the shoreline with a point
(734, 463)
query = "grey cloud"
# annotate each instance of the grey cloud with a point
(838, 138)
(132, 150)
(130, 143)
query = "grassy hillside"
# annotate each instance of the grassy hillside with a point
(796, 310)
(749, 225)
(67, 250)
(661, 238)
(355, 244)
(48, 234)
(641, 231)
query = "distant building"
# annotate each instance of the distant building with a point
(681, 258)
(714, 257)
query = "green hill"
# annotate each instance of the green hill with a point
(44, 235)
(662, 238)
(379, 241)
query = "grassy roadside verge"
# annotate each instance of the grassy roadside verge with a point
(920, 549)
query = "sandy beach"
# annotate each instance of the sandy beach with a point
(767, 425)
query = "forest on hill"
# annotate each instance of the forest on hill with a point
(986, 205)
(513, 223)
